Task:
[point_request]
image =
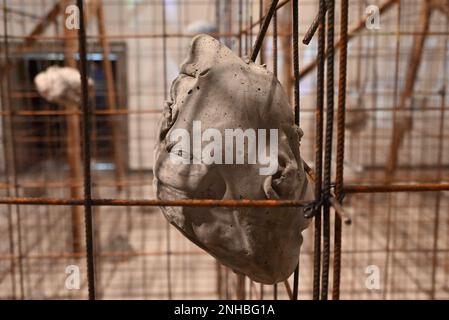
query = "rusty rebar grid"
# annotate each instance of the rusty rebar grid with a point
(334, 200)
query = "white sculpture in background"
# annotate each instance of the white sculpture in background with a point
(60, 85)
(201, 26)
(224, 92)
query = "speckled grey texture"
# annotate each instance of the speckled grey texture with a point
(224, 91)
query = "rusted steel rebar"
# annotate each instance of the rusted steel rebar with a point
(165, 79)
(259, 21)
(313, 28)
(319, 152)
(296, 101)
(263, 30)
(356, 28)
(275, 44)
(155, 203)
(11, 154)
(328, 149)
(240, 24)
(438, 205)
(429, 187)
(87, 201)
(340, 147)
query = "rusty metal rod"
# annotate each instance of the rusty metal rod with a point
(87, 201)
(313, 28)
(355, 29)
(341, 213)
(263, 30)
(152, 203)
(319, 152)
(339, 175)
(429, 187)
(258, 22)
(123, 36)
(295, 53)
(10, 153)
(288, 289)
(221, 203)
(328, 149)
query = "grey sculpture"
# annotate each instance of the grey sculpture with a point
(222, 91)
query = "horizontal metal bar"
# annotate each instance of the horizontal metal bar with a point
(155, 202)
(191, 35)
(221, 203)
(105, 254)
(397, 188)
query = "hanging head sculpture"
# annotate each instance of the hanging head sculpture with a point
(228, 132)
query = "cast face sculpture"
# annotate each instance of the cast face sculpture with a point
(221, 91)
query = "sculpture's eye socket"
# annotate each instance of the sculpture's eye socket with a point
(204, 73)
(179, 155)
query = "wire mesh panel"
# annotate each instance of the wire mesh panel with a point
(368, 90)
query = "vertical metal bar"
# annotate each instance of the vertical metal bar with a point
(111, 96)
(296, 61)
(240, 22)
(275, 44)
(219, 279)
(415, 60)
(11, 244)
(340, 145)
(262, 56)
(295, 48)
(374, 138)
(227, 295)
(164, 79)
(328, 149)
(389, 224)
(73, 137)
(250, 35)
(86, 154)
(10, 162)
(275, 72)
(263, 30)
(240, 290)
(319, 151)
(246, 26)
(441, 140)
(217, 16)
(285, 29)
(275, 291)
